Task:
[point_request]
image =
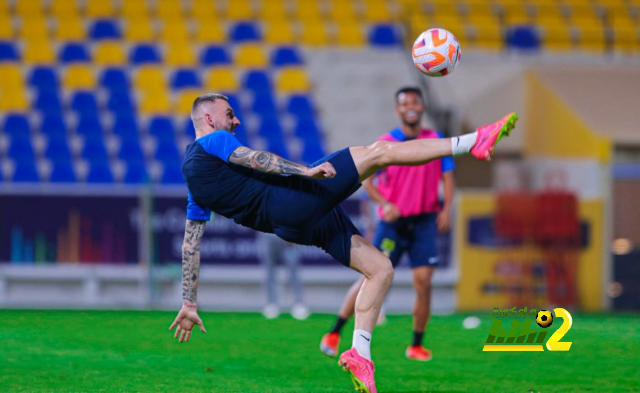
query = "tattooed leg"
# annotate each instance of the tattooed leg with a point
(191, 261)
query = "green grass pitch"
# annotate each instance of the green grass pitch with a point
(128, 351)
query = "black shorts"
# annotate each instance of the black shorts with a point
(306, 211)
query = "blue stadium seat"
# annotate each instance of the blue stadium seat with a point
(189, 130)
(312, 151)
(136, 172)
(94, 149)
(99, 172)
(121, 102)
(286, 56)
(20, 148)
(523, 37)
(270, 127)
(84, 102)
(234, 102)
(172, 173)
(74, 52)
(257, 81)
(89, 125)
(167, 151)
(185, 78)
(48, 102)
(115, 79)
(384, 35)
(162, 127)
(277, 146)
(307, 126)
(63, 172)
(125, 125)
(242, 136)
(264, 105)
(130, 150)
(244, 31)
(214, 55)
(53, 125)
(44, 79)
(105, 30)
(300, 106)
(144, 54)
(16, 124)
(8, 52)
(58, 149)
(26, 171)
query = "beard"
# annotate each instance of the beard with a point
(411, 123)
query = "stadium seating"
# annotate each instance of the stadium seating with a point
(127, 71)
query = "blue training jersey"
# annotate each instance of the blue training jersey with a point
(232, 191)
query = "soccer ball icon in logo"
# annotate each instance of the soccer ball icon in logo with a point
(436, 52)
(544, 318)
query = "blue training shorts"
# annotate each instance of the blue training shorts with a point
(306, 211)
(415, 235)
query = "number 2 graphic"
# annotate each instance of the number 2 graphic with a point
(554, 343)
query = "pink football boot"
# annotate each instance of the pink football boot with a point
(490, 134)
(360, 369)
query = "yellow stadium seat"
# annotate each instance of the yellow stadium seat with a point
(557, 38)
(79, 76)
(203, 10)
(515, 14)
(155, 101)
(350, 34)
(109, 53)
(32, 7)
(342, 11)
(377, 11)
(174, 31)
(292, 80)
(444, 8)
(251, 56)
(70, 29)
(307, 11)
(239, 10)
(184, 101)
(6, 28)
(625, 38)
(34, 29)
(13, 100)
(478, 8)
(38, 52)
(170, 9)
(149, 77)
(278, 32)
(592, 38)
(222, 79)
(180, 54)
(99, 9)
(273, 10)
(314, 33)
(135, 9)
(139, 30)
(11, 76)
(61, 8)
(489, 36)
(208, 32)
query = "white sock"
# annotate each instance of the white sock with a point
(362, 343)
(462, 144)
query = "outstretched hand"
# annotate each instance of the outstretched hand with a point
(187, 318)
(322, 171)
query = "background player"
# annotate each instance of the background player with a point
(410, 213)
(237, 182)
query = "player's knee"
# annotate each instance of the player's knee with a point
(384, 269)
(422, 284)
(378, 153)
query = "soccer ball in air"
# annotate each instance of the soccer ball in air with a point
(436, 52)
(544, 318)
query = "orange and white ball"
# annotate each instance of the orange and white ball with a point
(436, 52)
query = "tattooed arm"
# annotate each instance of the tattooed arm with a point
(188, 315)
(271, 163)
